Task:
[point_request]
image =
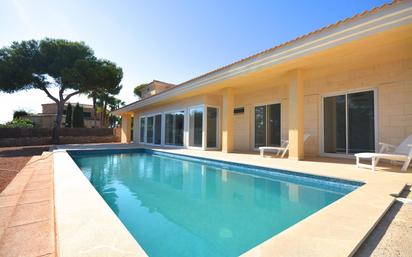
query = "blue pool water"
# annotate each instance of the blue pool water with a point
(181, 206)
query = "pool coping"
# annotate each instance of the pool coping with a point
(85, 223)
(231, 163)
(349, 220)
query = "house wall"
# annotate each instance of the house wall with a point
(244, 123)
(47, 121)
(392, 82)
(47, 117)
(185, 104)
(44, 121)
(52, 109)
(153, 88)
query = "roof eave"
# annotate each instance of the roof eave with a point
(388, 18)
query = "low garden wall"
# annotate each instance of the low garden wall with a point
(43, 136)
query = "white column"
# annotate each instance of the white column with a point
(227, 120)
(296, 115)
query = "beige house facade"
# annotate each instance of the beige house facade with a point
(47, 117)
(348, 85)
(153, 88)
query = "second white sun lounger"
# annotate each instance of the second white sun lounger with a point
(402, 153)
(284, 148)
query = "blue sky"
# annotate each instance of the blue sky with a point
(171, 41)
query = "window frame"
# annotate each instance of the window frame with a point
(321, 120)
(140, 128)
(202, 106)
(218, 131)
(145, 116)
(253, 121)
(164, 128)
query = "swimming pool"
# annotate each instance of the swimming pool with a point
(177, 205)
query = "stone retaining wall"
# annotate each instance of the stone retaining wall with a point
(42, 136)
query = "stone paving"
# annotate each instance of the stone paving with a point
(392, 237)
(27, 211)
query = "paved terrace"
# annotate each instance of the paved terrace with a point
(27, 211)
(27, 206)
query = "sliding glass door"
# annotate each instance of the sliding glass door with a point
(212, 127)
(260, 126)
(174, 128)
(349, 123)
(158, 129)
(169, 128)
(196, 126)
(142, 129)
(149, 133)
(151, 129)
(267, 125)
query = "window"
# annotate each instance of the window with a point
(174, 127)
(149, 133)
(158, 129)
(196, 126)
(349, 123)
(267, 125)
(142, 129)
(212, 127)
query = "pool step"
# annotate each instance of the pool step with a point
(27, 212)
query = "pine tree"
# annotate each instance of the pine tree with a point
(81, 117)
(69, 116)
(78, 119)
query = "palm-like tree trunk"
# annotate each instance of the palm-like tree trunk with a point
(57, 123)
(104, 114)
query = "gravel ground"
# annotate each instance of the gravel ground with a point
(392, 237)
(13, 159)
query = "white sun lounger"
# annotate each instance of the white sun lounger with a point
(284, 148)
(401, 153)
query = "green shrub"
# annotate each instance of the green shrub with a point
(18, 123)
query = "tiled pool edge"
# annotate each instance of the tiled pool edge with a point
(348, 221)
(85, 223)
(268, 172)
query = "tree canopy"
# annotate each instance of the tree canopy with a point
(103, 78)
(138, 89)
(43, 64)
(18, 114)
(105, 100)
(70, 67)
